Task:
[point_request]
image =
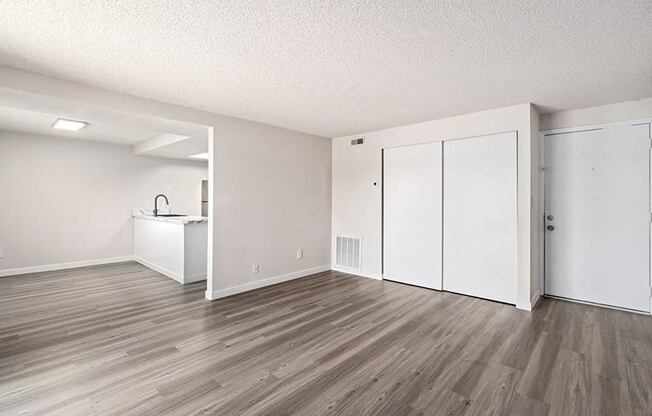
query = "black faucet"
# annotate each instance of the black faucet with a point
(156, 203)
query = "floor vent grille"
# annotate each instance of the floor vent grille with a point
(348, 252)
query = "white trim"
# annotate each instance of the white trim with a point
(529, 306)
(195, 278)
(356, 273)
(542, 215)
(229, 291)
(524, 306)
(159, 269)
(599, 305)
(211, 216)
(64, 266)
(535, 299)
(595, 126)
(448, 139)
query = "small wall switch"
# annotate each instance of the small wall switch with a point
(255, 268)
(299, 253)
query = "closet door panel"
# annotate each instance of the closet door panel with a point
(479, 231)
(412, 214)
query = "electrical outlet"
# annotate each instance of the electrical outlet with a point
(299, 253)
(255, 268)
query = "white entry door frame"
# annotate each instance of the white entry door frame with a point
(598, 167)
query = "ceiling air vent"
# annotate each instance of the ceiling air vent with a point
(357, 141)
(348, 252)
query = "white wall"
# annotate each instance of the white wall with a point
(536, 213)
(624, 111)
(271, 186)
(66, 200)
(357, 203)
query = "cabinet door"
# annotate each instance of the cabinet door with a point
(480, 252)
(412, 207)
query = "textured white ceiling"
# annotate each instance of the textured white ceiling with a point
(339, 67)
(33, 113)
(30, 121)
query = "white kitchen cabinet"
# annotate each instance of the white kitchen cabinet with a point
(173, 246)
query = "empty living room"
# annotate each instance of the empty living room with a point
(325, 208)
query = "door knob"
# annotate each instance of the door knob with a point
(550, 228)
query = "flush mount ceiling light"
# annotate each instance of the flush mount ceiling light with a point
(70, 125)
(200, 156)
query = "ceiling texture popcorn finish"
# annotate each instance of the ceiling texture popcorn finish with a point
(334, 68)
(33, 113)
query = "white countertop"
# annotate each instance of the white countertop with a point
(190, 219)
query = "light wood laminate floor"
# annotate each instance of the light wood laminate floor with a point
(123, 340)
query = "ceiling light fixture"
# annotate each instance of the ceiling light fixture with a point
(200, 156)
(70, 125)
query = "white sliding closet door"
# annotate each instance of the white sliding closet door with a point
(412, 204)
(480, 217)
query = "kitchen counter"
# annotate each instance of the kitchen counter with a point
(173, 246)
(189, 219)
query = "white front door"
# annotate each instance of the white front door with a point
(597, 209)
(412, 204)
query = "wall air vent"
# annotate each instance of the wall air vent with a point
(347, 252)
(359, 140)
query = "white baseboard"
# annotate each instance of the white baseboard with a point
(162, 270)
(356, 273)
(229, 291)
(535, 299)
(530, 305)
(195, 278)
(64, 266)
(524, 306)
(598, 305)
